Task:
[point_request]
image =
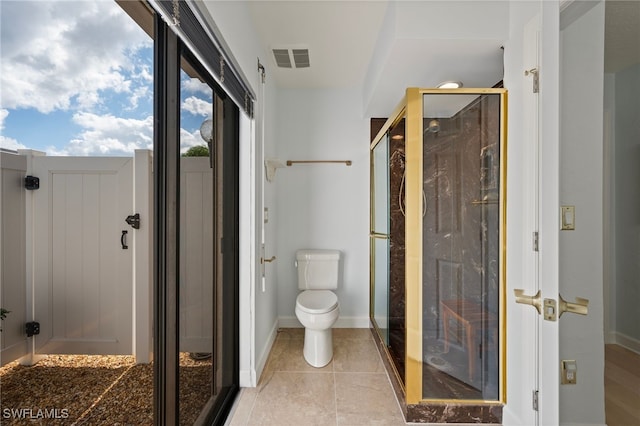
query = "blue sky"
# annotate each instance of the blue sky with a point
(76, 78)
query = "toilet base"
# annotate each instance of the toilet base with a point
(318, 347)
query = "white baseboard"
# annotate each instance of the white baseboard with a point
(583, 424)
(264, 355)
(249, 378)
(343, 322)
(628, 342)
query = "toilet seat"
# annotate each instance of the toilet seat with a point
(317, 301)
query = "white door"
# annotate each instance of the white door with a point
(533, 220)
(549, 210)
(83, 255)
(13, 295)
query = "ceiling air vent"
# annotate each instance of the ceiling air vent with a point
(282, 58)
(292, 57)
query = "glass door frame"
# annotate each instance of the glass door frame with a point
(411, 108)
(169, 50)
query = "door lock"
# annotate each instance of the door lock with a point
(534, 301)
(580, 306)
(549, 308)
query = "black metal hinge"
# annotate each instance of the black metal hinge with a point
(31, 182)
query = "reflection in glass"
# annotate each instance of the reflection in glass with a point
(196, 251)
(461, 143)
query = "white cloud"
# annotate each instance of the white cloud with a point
(105, 135)
(188, 139)
(6, 142)
(197, 106)
(194, 85)
(108, 135)
(62, 54)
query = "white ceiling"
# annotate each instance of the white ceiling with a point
(340, 37)
(343, 38)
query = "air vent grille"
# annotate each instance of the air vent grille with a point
(292, 58)
(282, 58)
(301, 58)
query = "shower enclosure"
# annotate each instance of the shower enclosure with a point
(437, 252)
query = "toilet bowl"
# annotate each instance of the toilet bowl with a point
(317, 307)
(317, 311)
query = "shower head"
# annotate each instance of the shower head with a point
(434, 126)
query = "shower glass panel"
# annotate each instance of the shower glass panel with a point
(380, 237)
(461, 240)
(437, 246)
(397, 305)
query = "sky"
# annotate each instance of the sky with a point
(76, 78)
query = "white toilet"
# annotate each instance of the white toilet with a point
(317, 306)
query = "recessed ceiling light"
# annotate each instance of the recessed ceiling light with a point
(450, 85)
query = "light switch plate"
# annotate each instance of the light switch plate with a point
(568, 218)
(568, 371)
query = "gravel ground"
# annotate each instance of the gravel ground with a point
(94, 390)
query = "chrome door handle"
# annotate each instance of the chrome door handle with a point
(271, 259)
(580, 306)
(534, 301)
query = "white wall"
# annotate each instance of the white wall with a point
(627, 207)
(581, 185)
(324, 206)
(609, 298)
(258, 316)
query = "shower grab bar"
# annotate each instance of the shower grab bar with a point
(292, 162)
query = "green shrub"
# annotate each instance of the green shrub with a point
(197, 151)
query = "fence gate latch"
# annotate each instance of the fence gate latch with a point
(32, 328)
(133, 220)
(31, 182)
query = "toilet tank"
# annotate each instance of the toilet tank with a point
(318, 269)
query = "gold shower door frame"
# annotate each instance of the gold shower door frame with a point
(411, 108)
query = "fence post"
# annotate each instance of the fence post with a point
(143, 258)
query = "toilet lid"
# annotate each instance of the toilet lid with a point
(317, 301)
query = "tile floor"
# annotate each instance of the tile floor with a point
(353, 389)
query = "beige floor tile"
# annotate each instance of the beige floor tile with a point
(291, 333)
(352, 333)
(366, 399)
(243, 406)
(286, 355)
(356, 355)
(290, 398)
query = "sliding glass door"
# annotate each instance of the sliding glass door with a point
(196, 155)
